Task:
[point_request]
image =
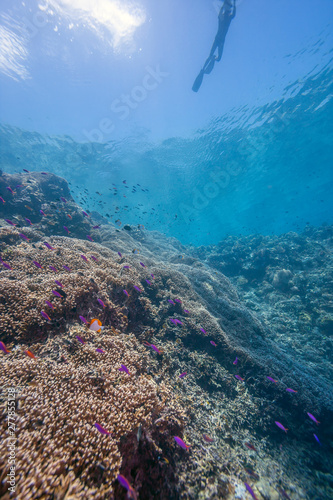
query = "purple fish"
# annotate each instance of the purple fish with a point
(290, 390)
(48, 303)
(66, 267)
(148, 282)
(10, 222)
(238, 377)
(85, 213)
(141, 264)
(313, 418)
(58, 283)
(317, 439)
(173, 321)
(4, 348)
(186, 311)
(124, 368)
(100, 350)
(63, 199)
(181, 443)
(10, 189)
(178, 321)
(25, 170)
(44, 173)
(96, 227)
(53, 269)
(57, 294)
(131, 493)
(24, 237)
(93, 258)
(126, 293)
(28, 221)
(152, 276)
(171, 302)
(84, 258)
(84, 320)
(80, 339)
(182, 375)
(126, 267)
(236, 361)
(2, 200)
(46, 316)
(119, 254)
(42, 213)
(272, 379)
(137, 288)
(7, 266)
(213, 343)
(152, 346)
(203, 331)
(281, 426)
(250, 490)
(48, 245)
(37, 264)
(101, 429)
(89, 237)
(66, 229)
(178, 300)
(283, 493)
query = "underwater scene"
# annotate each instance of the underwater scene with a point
(166, 249)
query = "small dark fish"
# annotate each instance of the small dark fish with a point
(48, 303)
(182, 375)
(80, 339)
(84, 320)
(89, 237)
(63, 199)
(37, 264)
(251, 447)
(119, 254)
(28, 221)
(281, 427)
(46, 316)
(181, 443)
(100, 350)
(317, 439)
(10, 222)
(313, 418)
(25, 170)
(208, 439)
(283, 493)
(127, 228)
(53, 269)
(4, 348)
(96, 227)
(48, 245)
(252, 473)
(66, 267)
(250, 490)
(44, 173)
(58, 283)
(66, 229)
(10, 189)
(101, 429)
(94, 258)
(24, 237)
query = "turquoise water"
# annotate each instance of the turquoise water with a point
(249, 153)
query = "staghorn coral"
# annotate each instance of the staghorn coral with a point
(59, 452)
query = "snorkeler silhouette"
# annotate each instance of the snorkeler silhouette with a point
(226, 15)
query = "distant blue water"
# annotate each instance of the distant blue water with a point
(260, 167)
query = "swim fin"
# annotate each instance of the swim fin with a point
(198, 81)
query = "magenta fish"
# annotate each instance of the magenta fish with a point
(85, 213)
(290, 390)
(152, 346)
(46, 316)
(186, 311)
(93, 258)
(66, 229)
(10, 222)
(48, 245)
(126, 267)
(7, 266)
(58, 283)
(148, 282)
(24, 237)
(137, 288)
(84, 320)
(281, 426)
(66, 267)
(236, 361)
(141, 264)
(213, 343)
(317, 439)
(53, 269)
(124, 368)
(203, 331)
(171, 302)
(4, 348)
(10, 189)
(100, 301)
(48, 303)
(84, 258)
(272, 379)
(37, 264)
(89, 237)
(238, 377)
(250, 490)
(178, 300)
(100, 350)
(2, 200)
(101, 429)
(131, 494)
(181, 443)
(42, 213)
(313, 418)
(57, 294)
(28, 221)
(126, 293)
(182, 375)
(119, 254)
(152, 276)
(80, 339)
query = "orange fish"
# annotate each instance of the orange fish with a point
(95, 325)
(30, 354)
(29, 208)
(69, 216)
